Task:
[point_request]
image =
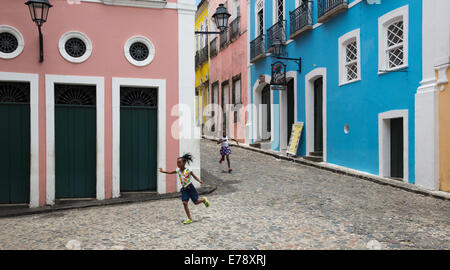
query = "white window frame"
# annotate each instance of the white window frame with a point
(343, 42)
(260, 3)
(144, 40)
(21, 43)
(75, 34)
(399, 14)
(275, 11)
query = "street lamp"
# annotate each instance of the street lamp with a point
(279, 49)
(220, 19)
(39, 12)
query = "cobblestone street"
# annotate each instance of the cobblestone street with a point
(264, 204)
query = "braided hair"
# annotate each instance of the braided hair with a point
(187, 158)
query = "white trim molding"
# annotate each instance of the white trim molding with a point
(21, 43)
(33, 79)
(144, 40)
(75, 34)
(384, 144)
(117, 83)
(399, 14)
(344, 41)
(99, 82)
(309, 109)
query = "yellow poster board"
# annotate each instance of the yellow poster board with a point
(296, 133)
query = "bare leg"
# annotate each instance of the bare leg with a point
(222, 159)
(186, 209)
(199, 201)
(228, 161)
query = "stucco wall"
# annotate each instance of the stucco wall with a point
(444, 136)
(356, 104)
(108, 28)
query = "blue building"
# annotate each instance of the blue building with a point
(361, 66)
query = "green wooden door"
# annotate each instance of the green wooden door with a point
(75, 141)
(14, 142)
(138, 139)
(397, 148)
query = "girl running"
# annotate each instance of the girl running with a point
(225, 150)
(188, 190)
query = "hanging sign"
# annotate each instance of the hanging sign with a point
(278, 74)
(294, 141)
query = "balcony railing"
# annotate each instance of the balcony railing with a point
(257, 48)
(224, 39)
(204, 55)
(197, 59)
(300, 20)
(276, 31)
(213, 48)
(235, 29)
(330, 8)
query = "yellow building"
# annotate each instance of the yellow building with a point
(201, 62)
(444, 126)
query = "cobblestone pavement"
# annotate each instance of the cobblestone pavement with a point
(264, 204)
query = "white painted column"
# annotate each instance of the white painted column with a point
(189, 133)
(435, 41)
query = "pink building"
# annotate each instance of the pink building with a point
(100, 114)
(229, 69)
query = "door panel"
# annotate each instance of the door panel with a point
(14, 142)
(290, 108)
(75, 141)
(138, 139)
(397, 147)
(265, 99)
(318, 115)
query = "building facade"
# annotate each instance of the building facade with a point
(108, 106)
(229, 72)
(355, 88)
(432, 100)
(201, 63)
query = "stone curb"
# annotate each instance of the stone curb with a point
(345, 171)
(13, 211)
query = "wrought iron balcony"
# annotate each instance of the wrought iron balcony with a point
(276, 31)
(330, 8)
(197, 59)
(300, 20)
(235, 29)
(257, 49)
(204, 55)
(224, 39)
(213, 48)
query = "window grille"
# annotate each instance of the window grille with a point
(351, 61)
(139, 51)
(394, 49)
(8, 42)
(14, 92)
(280, 10)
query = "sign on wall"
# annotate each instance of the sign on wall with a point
(278, 74)
(294, 141)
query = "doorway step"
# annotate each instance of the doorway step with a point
(315, 156)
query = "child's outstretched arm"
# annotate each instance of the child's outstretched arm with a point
(166, 172)
(196, 178)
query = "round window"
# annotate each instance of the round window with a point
(75, 47)
(11, 42)
(8, 42)
(139, 51)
